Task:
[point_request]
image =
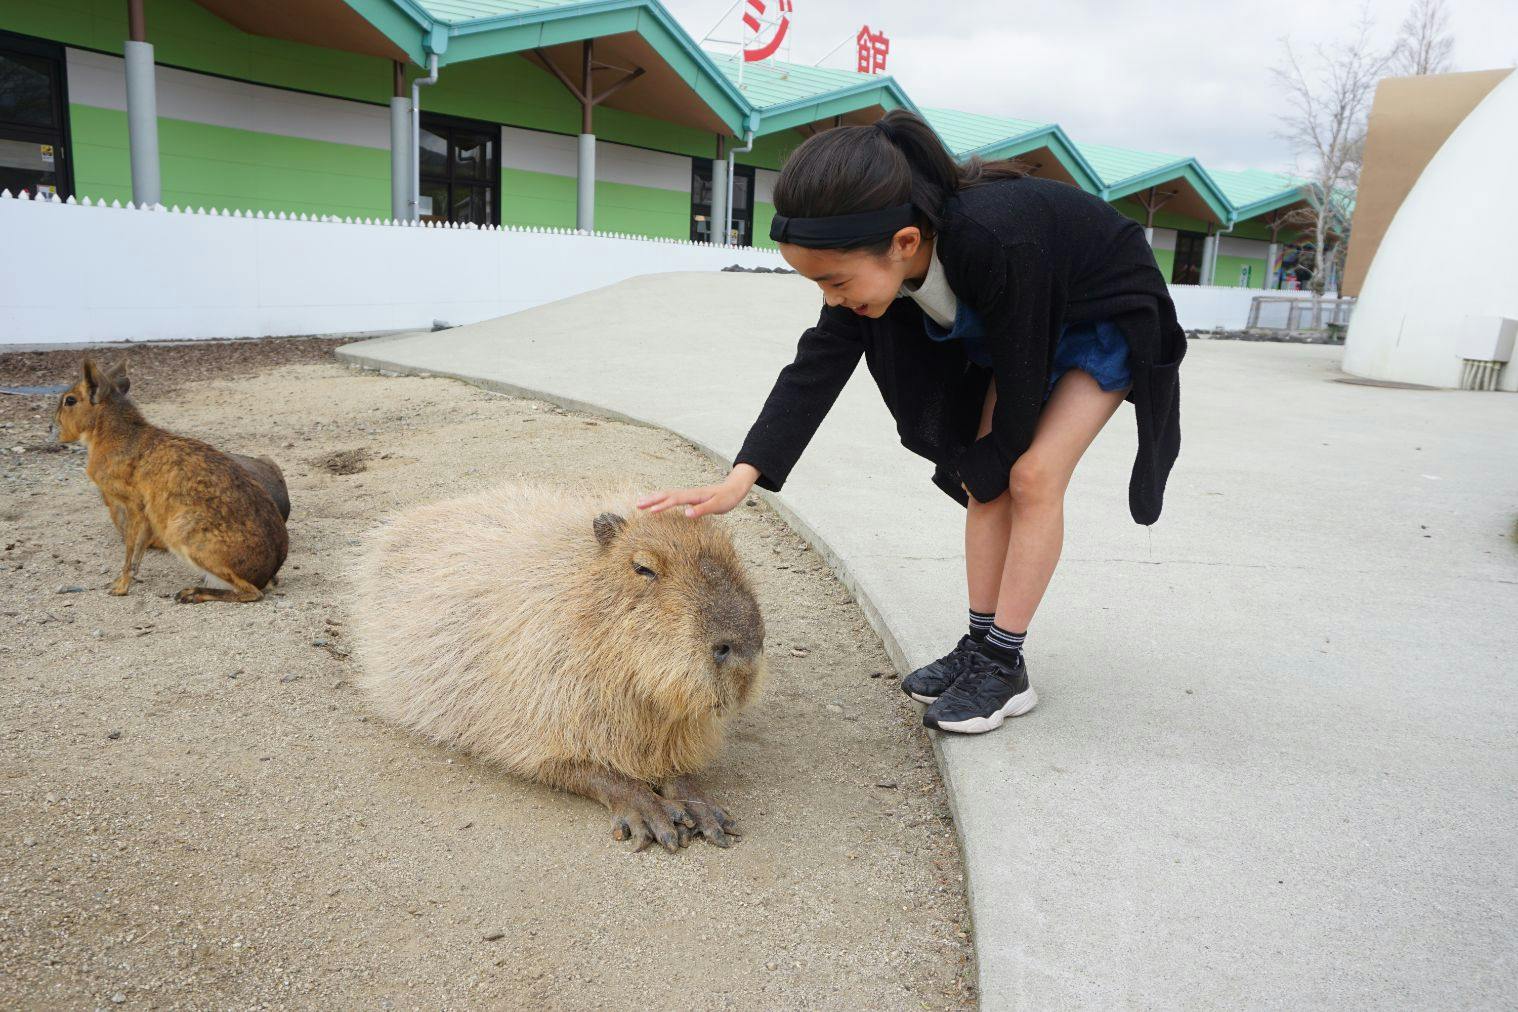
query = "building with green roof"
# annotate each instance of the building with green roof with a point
(599, 114)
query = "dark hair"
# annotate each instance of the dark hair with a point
(897, 160)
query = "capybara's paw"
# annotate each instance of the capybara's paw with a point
(711, 821)
(650, 819)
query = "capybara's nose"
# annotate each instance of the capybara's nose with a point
(722, 651)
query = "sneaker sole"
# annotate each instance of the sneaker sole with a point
(1014, 707)
(923, 699)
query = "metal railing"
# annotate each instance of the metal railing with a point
(1275, 313)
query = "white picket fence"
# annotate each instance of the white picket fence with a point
(84, 272)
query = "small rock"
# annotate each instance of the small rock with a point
(493, 936)
(114, 735)
(97, 633)
(769, 966)
(318, 642)
(117, 998)
(466, 825)
(71, 590)
(887, 784)
(799, 651)
(234, 674)
(877, 674)
(753, 502)
(834, 708)
(291, 677)
(28, 841)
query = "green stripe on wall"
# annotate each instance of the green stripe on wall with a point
(222, 167)
(542, 199)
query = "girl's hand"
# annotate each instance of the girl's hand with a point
(698, 502)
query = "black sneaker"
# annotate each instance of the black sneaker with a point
(987, 692)
(928, 682)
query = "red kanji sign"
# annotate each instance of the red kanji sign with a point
(756, 9)
(873, 48)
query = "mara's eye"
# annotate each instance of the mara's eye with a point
(69, 402)
(645, 571)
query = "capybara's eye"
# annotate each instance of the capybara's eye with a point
(69, 402)
(645, 571)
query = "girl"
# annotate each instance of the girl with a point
(1004, 318)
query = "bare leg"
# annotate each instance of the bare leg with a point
(987, 528)
(636, 811)
(711, 821)
(1076, 412)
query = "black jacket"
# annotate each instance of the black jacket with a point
(1029, 256)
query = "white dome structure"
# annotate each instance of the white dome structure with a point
(1448, 264)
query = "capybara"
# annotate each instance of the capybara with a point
(195, 499)
(569, 639)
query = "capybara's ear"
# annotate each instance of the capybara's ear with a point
(607, 526)
(119, 378)
(96, 382)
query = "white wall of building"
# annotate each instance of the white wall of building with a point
(118, 274)
(1450, 252)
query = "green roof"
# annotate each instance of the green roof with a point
(454, 11)
(777, 96)
(1117, 164)
(774, 82)
(965, 132)
(1250, 185)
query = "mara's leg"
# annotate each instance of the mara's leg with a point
(137, 534)
(711, 821)
(636, 811)
(241, 590)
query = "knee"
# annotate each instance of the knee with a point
(1034, 483)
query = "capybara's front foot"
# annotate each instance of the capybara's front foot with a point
(641, 815)
(711, 821)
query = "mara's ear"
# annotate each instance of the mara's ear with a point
(119, 378)
(607, 526)
(96, 382)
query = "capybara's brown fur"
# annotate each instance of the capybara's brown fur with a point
(195, 499)
(569, 639)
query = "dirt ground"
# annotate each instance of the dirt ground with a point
(197, 809)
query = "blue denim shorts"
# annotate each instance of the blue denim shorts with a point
(1098, 349)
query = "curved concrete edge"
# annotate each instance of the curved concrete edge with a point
(835, 562)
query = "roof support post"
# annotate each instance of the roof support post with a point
(142, 109)
(585, 93)
(400, 147)
(717, 230)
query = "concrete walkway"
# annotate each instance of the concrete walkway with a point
(1275, 761)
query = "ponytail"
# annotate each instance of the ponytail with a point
(897, 160)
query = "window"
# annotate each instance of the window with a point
(33, 130)
(1188, 258)
(702, 228)
(460, 171)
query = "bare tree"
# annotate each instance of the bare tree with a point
(1328, 103)
(1424, 43)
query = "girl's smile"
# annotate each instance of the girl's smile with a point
(864, 281)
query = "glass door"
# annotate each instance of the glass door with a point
(461, 171)
(702, 228)
(33, 130)
(1188, 258)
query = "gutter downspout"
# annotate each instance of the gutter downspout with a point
(416, 135)
(1217, 240)
(727, 211)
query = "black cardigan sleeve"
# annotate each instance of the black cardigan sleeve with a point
(825, 359)
(1017, 312)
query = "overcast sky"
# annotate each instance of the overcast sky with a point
(1186, 77)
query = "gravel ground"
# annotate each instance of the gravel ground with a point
(197, 810)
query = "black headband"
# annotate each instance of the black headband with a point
(841, 230)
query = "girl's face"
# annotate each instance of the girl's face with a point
(860, 280)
